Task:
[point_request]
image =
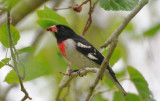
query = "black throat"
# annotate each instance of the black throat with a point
(61, 37)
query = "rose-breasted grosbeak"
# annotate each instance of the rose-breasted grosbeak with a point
(80, 52)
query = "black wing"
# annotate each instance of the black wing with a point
(88, 50)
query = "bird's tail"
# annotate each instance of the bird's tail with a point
(111, 76)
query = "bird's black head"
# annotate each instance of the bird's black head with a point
(62, 32)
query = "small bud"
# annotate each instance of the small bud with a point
(77, 9)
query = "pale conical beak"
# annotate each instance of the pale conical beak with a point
(52, 28)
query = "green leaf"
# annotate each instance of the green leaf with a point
(49, 17)
(116, 5)
(152, 31)
(25, 49)
(45, 22)
(35, 67)
(118, 96)
(3, 62)
(99, 97)
(45, 62)
(132, 97)
(108, 82)
(140, 83)
(4, 35)
(121, 73)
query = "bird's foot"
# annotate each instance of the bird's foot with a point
(76, 70)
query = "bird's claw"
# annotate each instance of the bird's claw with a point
(76, 70)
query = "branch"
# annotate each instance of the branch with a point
(74, 7)
(78, 9)
(113, 43)
(13, 55)
(64, 83)
(23, 8)
(125, 22)
(102, 68)
(89, 20)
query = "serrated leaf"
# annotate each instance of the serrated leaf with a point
(116, 5)
(4, 35)
(3, 62)
(140, 83)
(152, 31)
(48, 17)
(25, 49)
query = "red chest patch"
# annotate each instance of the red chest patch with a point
(62, 47)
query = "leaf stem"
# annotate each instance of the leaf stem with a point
(13, 55)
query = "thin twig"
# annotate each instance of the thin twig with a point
(11, 44)
(65, 82)
(83, 3)
(113, 42)
(21, 63)
(62, 84)
(77, 6)
(89, 20)
(125, 22)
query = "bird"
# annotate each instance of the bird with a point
(80, 52)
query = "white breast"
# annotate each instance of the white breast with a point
(75, 57)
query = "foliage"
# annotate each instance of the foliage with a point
(117, 5)
(10, 3)
(39, 65)
(25, 50)
(152, 31)
(119, 52)
(3, 62)
(140, 83)
(49, 61)
(130, 97)
(49, 17)
(4, 35)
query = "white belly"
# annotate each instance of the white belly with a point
(76, 58)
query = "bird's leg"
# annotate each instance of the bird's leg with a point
(72, 71)
(76, 70)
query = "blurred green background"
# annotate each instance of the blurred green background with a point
(138, 46)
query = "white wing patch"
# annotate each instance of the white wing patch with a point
(82, 45)
(91, 56)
